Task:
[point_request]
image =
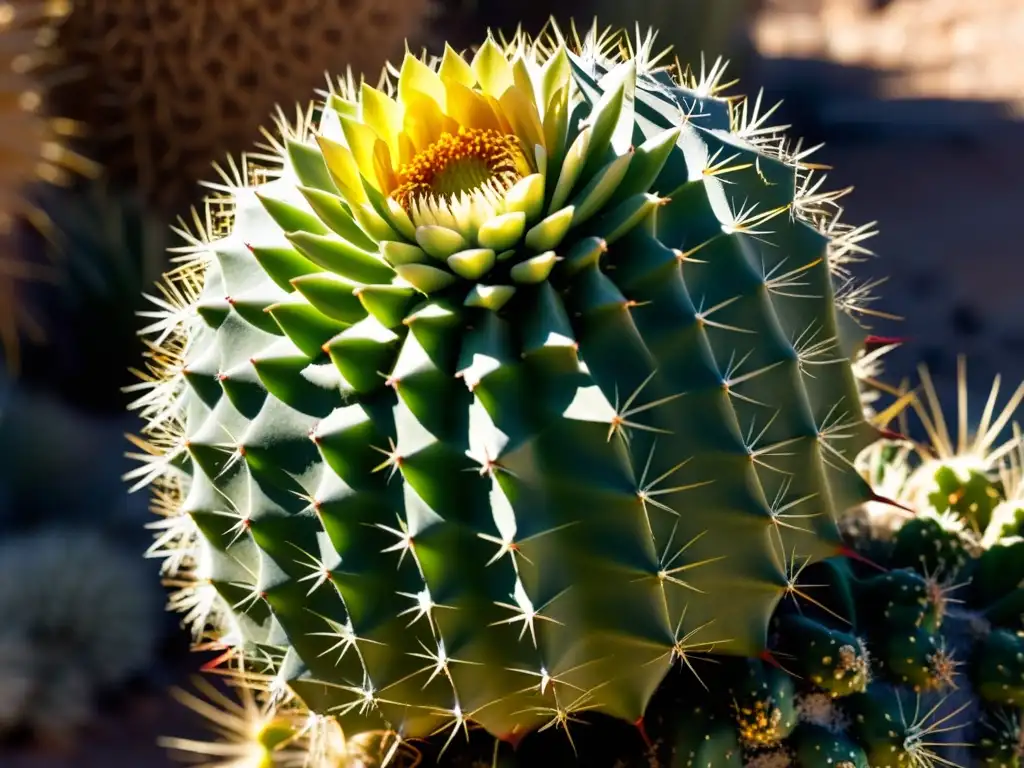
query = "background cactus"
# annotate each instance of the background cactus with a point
(110, 249)
(33, 147)
(176, 85)
(79, 621)
(965, 480)
(694, 28)
(564, 315)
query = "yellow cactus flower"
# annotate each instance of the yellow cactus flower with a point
(453, 163)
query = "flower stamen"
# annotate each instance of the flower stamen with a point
(464, 162)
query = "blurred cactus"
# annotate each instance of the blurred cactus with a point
(110, 248)
(694, 28)
(79, 620)
(43, 437)
(32, 148)
(175, 85)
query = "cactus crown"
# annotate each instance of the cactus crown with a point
(511, 383)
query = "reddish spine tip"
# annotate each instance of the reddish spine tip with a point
(767, 657)
(858, 557)
(639, 725)
(230, 300)
(222, 377)
(250, 247)
(890, 502)
(241, 450)
(889, 434)
(214, 663)
(883, 341)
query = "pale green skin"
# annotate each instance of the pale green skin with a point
(592, 526)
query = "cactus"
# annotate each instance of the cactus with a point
(964, 488)
(79, 622)
(33, 147)
(176, 84)
(111, 249)
(695, 28)
(511, 382)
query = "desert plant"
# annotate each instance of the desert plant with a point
(109, 248)
(79, 621)
(694, 28)
(176, 84)
(33, 147)
(502, 389)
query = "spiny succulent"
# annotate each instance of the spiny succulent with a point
(33, 148)
(507, 384)
(177, 84)
(693, 27)
(967, 482)
(110, 248)
(78, 623)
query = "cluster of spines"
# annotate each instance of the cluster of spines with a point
(922, 675)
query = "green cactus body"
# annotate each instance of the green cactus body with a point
(1000, 743)
(1008, 521)
(923, 544)
(971, 498)
(817, 747)
(497, 391)
(832, 660)
(998, 673)
(917, 658)
(883, 723)
(700, 740)
(897, 599)
(997, 573)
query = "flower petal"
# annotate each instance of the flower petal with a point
(522, 115)
(492, 69)
(382, 114)
(343, 168)
(362, 141)
(469, 108)
(454, 67)
(424, 120)
(383, 167)
(416, 76)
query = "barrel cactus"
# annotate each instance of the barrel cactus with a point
(178, 84)
(492, 392)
